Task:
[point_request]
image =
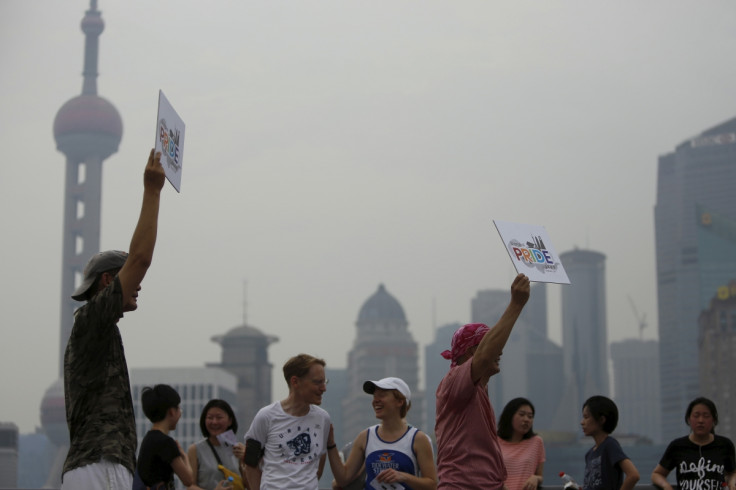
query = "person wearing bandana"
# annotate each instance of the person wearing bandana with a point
(468, 452)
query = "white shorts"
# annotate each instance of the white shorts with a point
(102, 475)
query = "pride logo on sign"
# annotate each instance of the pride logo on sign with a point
(533, 253)
(169, 139)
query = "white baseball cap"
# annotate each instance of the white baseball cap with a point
(388, 384)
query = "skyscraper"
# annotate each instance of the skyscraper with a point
(636, 387)
(8, 455)
(87, 129)
(700, 172)
(584, 329)
(196, 386)
(717, 343)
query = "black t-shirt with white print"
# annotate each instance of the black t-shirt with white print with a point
(700, 467)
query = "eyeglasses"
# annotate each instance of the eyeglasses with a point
(320, 382)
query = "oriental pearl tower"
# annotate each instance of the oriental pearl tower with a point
(87, 130)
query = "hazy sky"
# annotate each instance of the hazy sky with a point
(332, 146)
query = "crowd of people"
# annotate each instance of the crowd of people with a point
(289, 441)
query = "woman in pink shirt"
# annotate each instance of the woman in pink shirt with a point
(523, 450)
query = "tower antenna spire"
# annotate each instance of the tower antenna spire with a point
(92, 26)
(245, 301)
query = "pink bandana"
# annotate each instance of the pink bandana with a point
(464, 338)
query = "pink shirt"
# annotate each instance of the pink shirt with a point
(521, 460)
(468, 452)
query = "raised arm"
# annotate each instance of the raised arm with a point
(484, 361)
(140, 253)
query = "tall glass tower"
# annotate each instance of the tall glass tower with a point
(699, 175)
(584, 330)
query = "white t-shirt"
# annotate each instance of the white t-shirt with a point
(293, 446)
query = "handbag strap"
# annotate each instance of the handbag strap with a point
(217, 456)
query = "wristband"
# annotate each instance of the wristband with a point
(331, 447)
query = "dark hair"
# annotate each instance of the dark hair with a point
(600, 407)
(505, 426)
(157, 401)
(222, 405)
(299, 366)
(701, 400)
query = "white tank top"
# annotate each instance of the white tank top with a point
(398, 455)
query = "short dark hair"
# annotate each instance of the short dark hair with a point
(157, 401)
(505, 427)
(222, 405)
(600, 407)
(701, 400)
(299, 366)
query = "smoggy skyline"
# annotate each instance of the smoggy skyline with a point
(332, 147)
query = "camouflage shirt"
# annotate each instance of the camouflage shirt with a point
(99, 408)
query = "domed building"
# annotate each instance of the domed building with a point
(383, 347)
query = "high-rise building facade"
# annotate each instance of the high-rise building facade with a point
(636, 387)
(700, 172)
(584, 330)
(8, 455)
(383, 347)
(196, 386)
(717, 348)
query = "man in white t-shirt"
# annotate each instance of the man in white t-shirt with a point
(286, 443)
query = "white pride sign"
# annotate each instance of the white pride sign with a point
(531, 252)
(170, 140)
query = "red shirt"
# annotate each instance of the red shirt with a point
(468, 451)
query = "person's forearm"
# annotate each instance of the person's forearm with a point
(493, 342)
(629, 482)
(339, 471)
(660, 481)
(253, 476)
(144, 236)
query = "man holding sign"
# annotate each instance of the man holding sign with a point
(468, 451)
(99, 407)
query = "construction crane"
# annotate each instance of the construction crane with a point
(641, 319)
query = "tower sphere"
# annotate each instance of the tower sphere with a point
(88, 125)
(92, 24)
(53, 414)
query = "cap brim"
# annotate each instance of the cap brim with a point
(369, 387)
(80, 294)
